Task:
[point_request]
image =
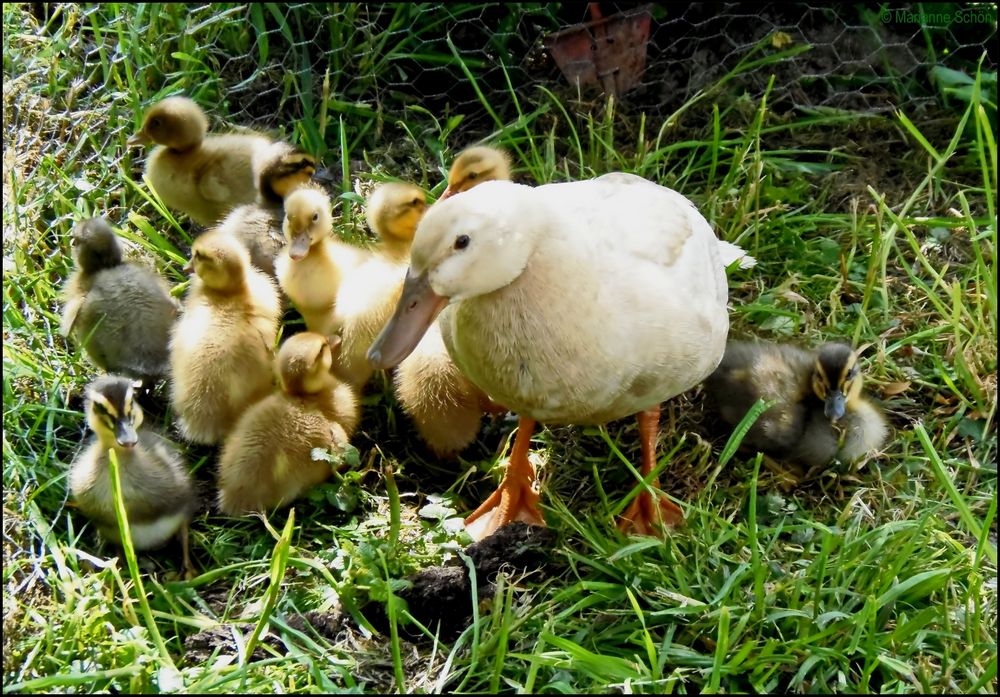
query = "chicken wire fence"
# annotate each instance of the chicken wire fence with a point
(354, 76)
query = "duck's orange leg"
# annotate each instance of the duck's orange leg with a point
(645, 515)
(515, 498)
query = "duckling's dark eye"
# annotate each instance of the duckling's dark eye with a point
(154, 123)
(415, 202)
(473, 176)
(316, 217)
(852, 373)
(462, 241)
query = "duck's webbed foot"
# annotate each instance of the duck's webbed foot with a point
(515, 498)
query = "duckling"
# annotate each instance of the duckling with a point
(445, 406)
(157, 490)
(279, 170)
(368, 293)
(474, 166)
(121, 313)
(203, 175)
(267, 459)
(820, 412)
(311, 266)
(221, 347)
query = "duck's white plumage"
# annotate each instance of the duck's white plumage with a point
(567, 303)
(621, 303)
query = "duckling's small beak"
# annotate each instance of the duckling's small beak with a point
(139, 138)
(448, 192)
(835, 406)
(418, 306)
(300, 245)
(125, 434)
(189, 267)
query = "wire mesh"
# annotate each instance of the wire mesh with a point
(377, 65)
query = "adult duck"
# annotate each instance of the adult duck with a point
(580, 303)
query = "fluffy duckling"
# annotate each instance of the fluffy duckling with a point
(121, 313)
(203, 175)
(368, 293)
(820, 412)
(445, 406)
(221, 347)
(482, 163)
(279, 170)
(311, 266)
(157, 490)
(474, 166)
(267, 460)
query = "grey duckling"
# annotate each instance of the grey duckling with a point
(820, 413)
(120, 312)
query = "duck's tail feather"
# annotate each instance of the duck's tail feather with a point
(730, 252)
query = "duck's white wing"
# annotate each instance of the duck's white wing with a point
(728, 252)
(623, 214)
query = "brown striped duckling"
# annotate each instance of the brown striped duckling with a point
(267, 459)
(194, 172)
(157, 490)
(221, 348)
(120, 312)
(279, 170)
(820, 413)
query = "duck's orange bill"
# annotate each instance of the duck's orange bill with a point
(418, 306)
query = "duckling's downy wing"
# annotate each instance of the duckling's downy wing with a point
(70, 312)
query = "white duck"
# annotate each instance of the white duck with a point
(482, 163)
(568, 303)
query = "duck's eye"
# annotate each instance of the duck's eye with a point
(316, 217)
(415, 202)
(473, 176)
(462, 241)
(154, 123)
(852, 373)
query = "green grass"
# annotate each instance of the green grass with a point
(879, 577)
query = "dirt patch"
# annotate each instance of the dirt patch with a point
(440, 597)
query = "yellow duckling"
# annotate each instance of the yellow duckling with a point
(157, 490)
(820, 412)
(279, 170)
(267, 460)
(311, 266)
(445, 406)
(120, 312)
(474, 166)
(368, 293)
(482, 163)
(221, 347)
(581, 302)
(203, 175)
